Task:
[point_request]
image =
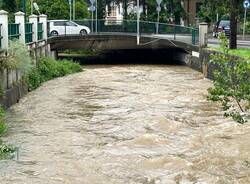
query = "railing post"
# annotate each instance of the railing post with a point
(20, 19)
(4, 31)
(33, 19)
(193, 36)
(43, 19)
(203, 30)
(174, 32)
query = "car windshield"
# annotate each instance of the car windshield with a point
(225, 23)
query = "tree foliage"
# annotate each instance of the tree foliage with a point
(231, 83)
(56, 9)
(8, 5)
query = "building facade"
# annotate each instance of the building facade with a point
(115, 11)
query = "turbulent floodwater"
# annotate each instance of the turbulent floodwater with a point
(130, 124)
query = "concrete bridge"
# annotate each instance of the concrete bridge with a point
(124, 35)
(118, 41)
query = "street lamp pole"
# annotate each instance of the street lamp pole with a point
(138, 22)
(96, 5)
(31, 7)
(24, 6)
(70, 10)
(74, 9)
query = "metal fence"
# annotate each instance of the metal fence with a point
(40, 31)
(13, 31)
(167, 31)
(28, 32)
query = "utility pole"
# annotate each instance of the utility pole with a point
(74, 9)
(31, 7)
(96, 5)
(24, 6)
(138, 22)
(70, 10)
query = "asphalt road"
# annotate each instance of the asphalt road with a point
(213, 42)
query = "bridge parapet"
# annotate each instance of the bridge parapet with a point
(171, 31)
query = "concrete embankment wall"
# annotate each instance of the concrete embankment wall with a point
(202, 62)
(12, 83)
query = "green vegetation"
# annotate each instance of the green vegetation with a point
(56, 9)
(231, 83)
(84, 53)
(47, 69)
(5, 150)
(18, 58)
(243, 53)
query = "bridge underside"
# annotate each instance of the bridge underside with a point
(115, 42)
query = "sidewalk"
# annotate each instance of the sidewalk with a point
(239, 37)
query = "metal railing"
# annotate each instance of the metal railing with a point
(40, 31)
(1, 36)
(13, 31)
(28, 32)
(166, 31)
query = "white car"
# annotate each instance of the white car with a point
(65, 27)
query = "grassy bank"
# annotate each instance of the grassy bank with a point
(240, 52)
(5, 150)
(49, 68)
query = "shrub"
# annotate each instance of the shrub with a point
(48, 68)
(2, 123)
(33, 79)
(18, 58)
(231, 84)
(5, 150)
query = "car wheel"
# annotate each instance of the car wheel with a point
(54, 33)
(83, 32)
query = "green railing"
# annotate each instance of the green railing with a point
(1, 36)
(28, 32)
(167, 31)
(40, 31)
(13, 31)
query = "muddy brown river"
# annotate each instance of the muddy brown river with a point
(125, 124)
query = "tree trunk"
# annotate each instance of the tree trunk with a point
(233, 24)
(125, 5)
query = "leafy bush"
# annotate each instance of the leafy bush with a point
(5, 150)
(18, 58)
(247, 28)
(2, 124)
(231, 83)
(48, 68)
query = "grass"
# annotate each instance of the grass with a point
(244, 53)
(240, 52)
(5, 150)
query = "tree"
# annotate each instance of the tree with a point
(231, 83)
(211, 8)
(9, 5)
